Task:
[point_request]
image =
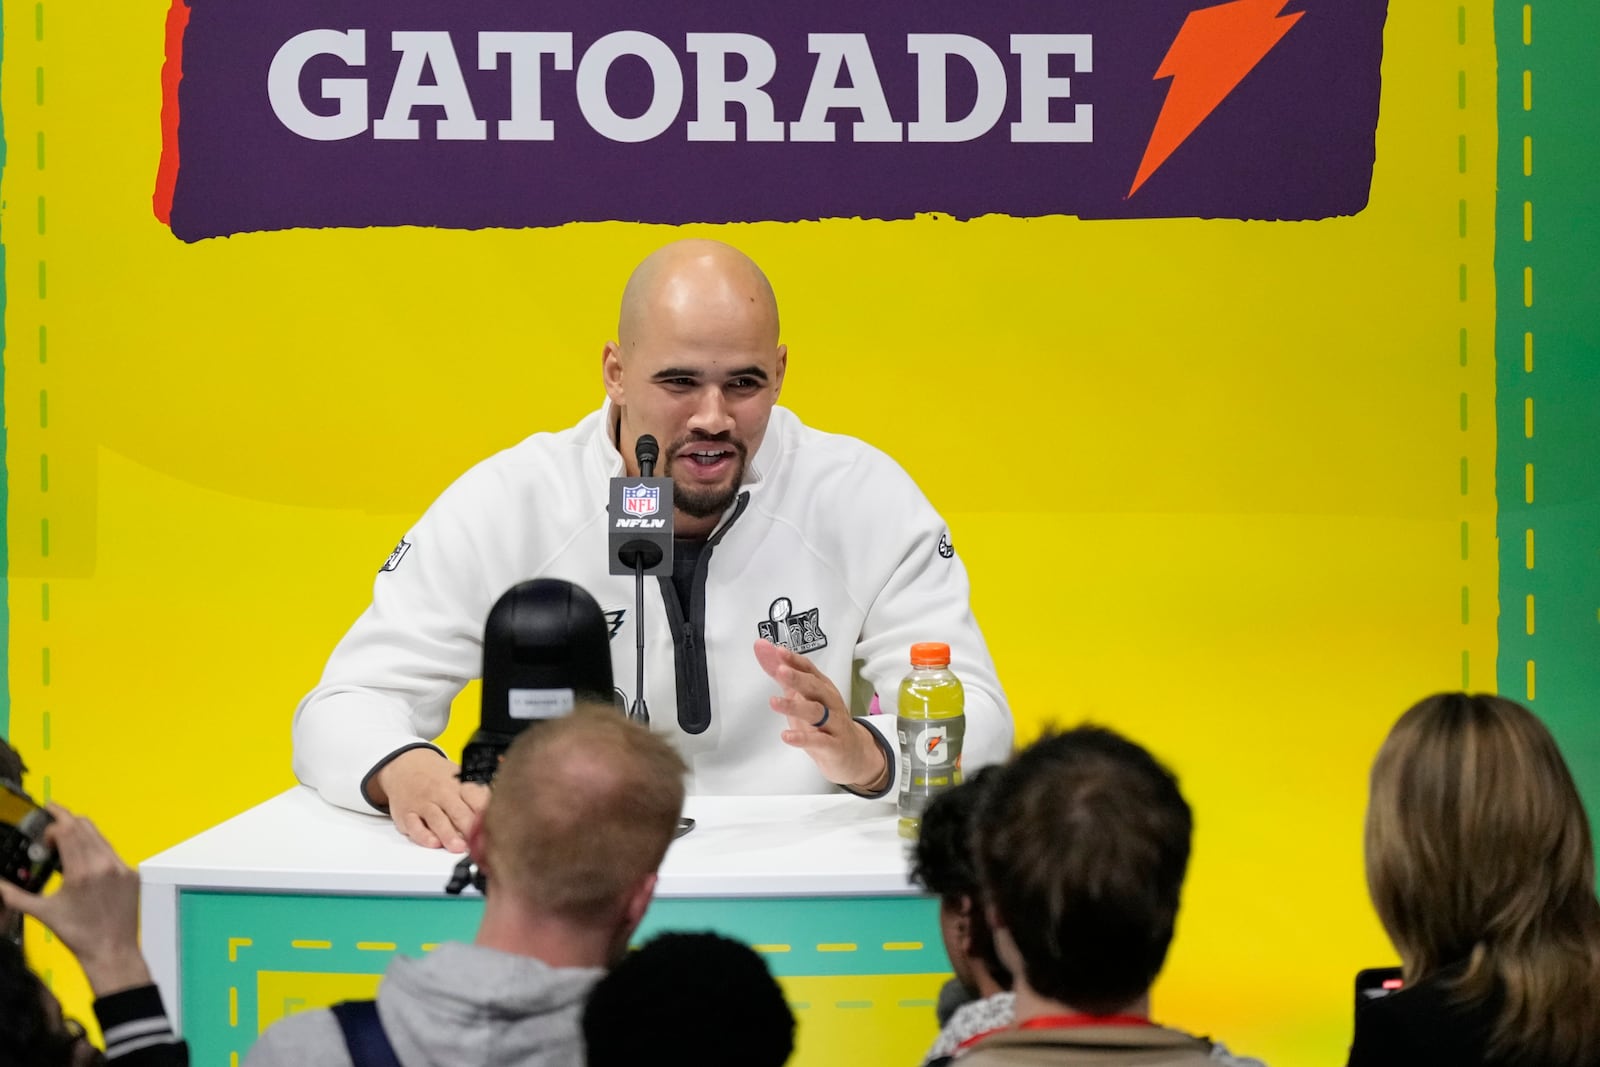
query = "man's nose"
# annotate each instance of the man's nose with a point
(711, 413)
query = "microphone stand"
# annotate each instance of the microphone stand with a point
(640, 712)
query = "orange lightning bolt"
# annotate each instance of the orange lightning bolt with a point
(1211, 55)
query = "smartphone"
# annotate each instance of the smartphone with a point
(1374, 983)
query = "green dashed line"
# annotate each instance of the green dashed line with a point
(1461, 153)
(44, 410)
(1463, 475)
(1461, 89)
(44, 345)
(1461, 25)
(38, 85)
(1461, 222)
(45, 738)
(917, 1004)
(38, 22)
(44, 665)
(1464, 539)
(39, 151)
(1461, 276)
(44, 474)
(44, 537)
(1463, 412)
(41, 216)
(1463, 345)
(1466, 605)
(853, 1005)
(44, 602)
(42, 286)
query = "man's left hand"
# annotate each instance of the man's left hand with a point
(819, 721)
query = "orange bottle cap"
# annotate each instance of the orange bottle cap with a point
(930, 654)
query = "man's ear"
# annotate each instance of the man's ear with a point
(964, 919)
(478, 843)
(611, 371)
(783, 367)
(638, 902)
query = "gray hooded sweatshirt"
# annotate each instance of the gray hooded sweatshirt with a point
(461, 1005)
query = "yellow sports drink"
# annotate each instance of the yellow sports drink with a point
(931, 724)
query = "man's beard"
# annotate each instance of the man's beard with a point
(703, 503)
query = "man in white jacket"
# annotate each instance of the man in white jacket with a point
(805, 566)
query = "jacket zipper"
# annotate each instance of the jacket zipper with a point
(688, 635)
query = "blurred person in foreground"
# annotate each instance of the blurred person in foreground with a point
(1082, 845)
(578, 819)
(1481, 867)
(696, 998)
(94, 912)
(943, 864)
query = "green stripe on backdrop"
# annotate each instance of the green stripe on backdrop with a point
(1547, 339)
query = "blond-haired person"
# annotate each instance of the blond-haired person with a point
(1481, 867)
(579, 818)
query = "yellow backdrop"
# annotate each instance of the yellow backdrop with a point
(1219, 485)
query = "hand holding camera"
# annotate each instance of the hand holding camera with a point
(95, 908)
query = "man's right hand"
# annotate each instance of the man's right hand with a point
(427, 800)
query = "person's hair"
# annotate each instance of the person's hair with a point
(28, 1034)
(582, 808)
(942, 862)
(1082, 845)
(1479, 860)
(708, 995)
(11, 766)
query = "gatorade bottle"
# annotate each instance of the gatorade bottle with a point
(931, 725)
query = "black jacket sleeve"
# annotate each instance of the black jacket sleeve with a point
(137, 1032)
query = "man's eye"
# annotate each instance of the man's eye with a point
(744, 385)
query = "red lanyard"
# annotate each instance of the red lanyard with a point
(1069, 1022)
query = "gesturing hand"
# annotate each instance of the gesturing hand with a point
(819, 722)
(95, 908)
(427, 800)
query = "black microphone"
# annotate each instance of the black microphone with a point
(646, 451)
(640, 532)
(641, 543)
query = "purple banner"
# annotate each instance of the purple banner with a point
(493, 113)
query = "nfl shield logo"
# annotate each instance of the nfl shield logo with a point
(641, 500)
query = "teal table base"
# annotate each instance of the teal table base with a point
(861, 973)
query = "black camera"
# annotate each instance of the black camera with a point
(26, 859)
(546, 648)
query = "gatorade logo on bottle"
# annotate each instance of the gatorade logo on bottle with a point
(933, 745)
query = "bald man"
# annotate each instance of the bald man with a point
(805, 566)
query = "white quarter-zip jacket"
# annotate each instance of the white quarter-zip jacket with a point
(829, 548)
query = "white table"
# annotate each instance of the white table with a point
(296, 904)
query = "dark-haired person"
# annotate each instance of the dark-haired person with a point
(580, 816)
(94, 911)
(942, 863)
(1082, 845)
(695, 998)
(1481, 867)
